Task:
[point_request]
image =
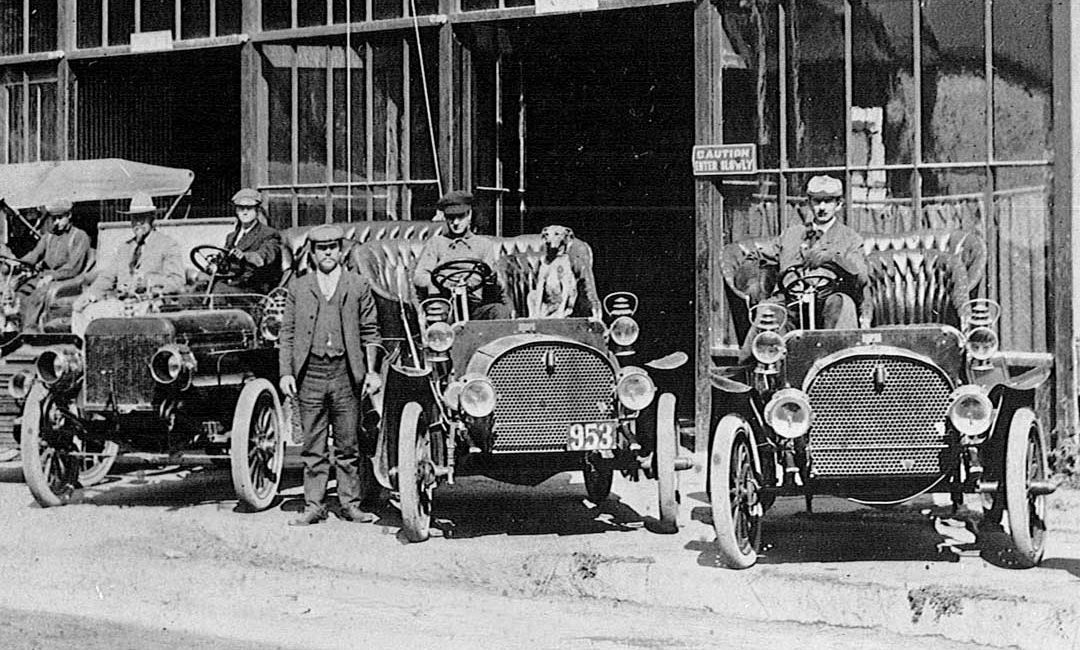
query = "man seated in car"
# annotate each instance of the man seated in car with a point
(62, 253)
(821, 244)
(254, 248)
(487, 300)
(148, 264)
(824, 244)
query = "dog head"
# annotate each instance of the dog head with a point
(556, 239)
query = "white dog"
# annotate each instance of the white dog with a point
(556, 285)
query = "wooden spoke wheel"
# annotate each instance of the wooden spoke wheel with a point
(667, 447)
(414, 474)
(257, 442)
(736, 510)
(1025, 463)
(49, 468)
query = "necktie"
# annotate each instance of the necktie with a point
(135, 255)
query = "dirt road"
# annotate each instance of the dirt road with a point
(165, 559)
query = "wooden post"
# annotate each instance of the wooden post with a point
(447, 141)
(65, 82)
(253, 131)
(709, 210)
(1063, 239)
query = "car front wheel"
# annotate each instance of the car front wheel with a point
(257, 442)
(1025, 463)
(736, 509)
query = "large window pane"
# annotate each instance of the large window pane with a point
(346, 111)
(310, 13)
(228, 17)
(47, 101)
(388, 105)
(16, 124)
(345, 8)
(11, 27)
(121, 21)
(815, 78)
(195, 19)
(359, 134)
(279, 208)
(311, 209)
(277, 70)
(276, 14)
(88, 23)
(953, 82)
(42, 25)
(158, 15)
(1023, 79)
(311, 113)
(386, 9)
(758, 120)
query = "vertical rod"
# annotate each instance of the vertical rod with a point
(781, 93)
(294, 131)
(405, 149)
(988, 72)
(104, 22)
(348, 112)
(213, 18)
(498, 145)
(917, 146)
(26, 27)
(848, 102)
(369, 121)
(329, 176)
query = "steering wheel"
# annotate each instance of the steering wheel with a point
(215, 262)
(800, 280)
(455, 273)
(19, 264)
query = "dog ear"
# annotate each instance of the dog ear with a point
(569, 233)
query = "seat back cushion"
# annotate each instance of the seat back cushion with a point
(916, 286)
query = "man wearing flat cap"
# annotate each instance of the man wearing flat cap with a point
(253, 246)
(327, 359)
(62, 253)
(148, 264)
(487, 300)
(823, 242)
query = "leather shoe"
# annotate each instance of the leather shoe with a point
(309, 517)
(357, 516)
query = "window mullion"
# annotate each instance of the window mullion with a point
(405, 133)
(329, 131)
(213, 18)
(781, 94)
(26, 27)
(916, 69)
(369, 124)
(848, 102)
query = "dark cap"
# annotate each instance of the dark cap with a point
(247, 197)
(325, 234)
(455, 203)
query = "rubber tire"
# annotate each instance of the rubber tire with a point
(667, 446)
(1027, 515)
(255, 394)
(415, 502)
(597, 480)
(30, 448)
(738, 542)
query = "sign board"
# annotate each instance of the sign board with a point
(152, 41)
(563, 6)
(722, 159)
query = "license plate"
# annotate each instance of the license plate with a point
(590, 436)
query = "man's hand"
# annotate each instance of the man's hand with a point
(288, 385)
(45, 280)
(372, 383)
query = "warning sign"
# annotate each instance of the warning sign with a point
(718, 159)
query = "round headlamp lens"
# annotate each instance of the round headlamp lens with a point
(478, 398)
(971, 412)
(635, 390)
(624, 331)
(270, 327)
(440, 337)
(768, 347)
(982, 343)
(788, 413)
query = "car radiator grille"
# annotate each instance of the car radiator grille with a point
(541, 389)
(121, 363)
(896, 426)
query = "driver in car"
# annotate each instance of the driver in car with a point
(487, 299)
(254, 247)
(61, 253)
(824, 243)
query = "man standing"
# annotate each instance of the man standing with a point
(61, 253)
(328, 346)
(148, 264)
(254, 246)
(486, 298)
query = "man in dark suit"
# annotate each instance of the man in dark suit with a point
(254, 247)
(329, 347)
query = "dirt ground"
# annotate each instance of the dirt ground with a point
(162, 558)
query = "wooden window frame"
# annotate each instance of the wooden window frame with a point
(28, 83)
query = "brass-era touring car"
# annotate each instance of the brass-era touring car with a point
(179, 379)
(921, 402)
(518, 400)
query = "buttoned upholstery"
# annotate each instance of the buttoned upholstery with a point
(294, 240)
(919, 277)
(519, 271)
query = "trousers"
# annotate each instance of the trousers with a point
(328, 398)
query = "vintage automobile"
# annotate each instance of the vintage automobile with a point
(181, 379)
(518, 400)
(921, 402)
(90, 185)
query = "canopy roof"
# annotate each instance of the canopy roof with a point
(28, 185)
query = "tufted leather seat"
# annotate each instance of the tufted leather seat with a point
(916, 286)
(295, 239)
(519, 271)
(918, 277)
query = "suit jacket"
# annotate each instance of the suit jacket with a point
(839, 244)
(64, 256)
(298, 323)
(160, 267)
(261, 247)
